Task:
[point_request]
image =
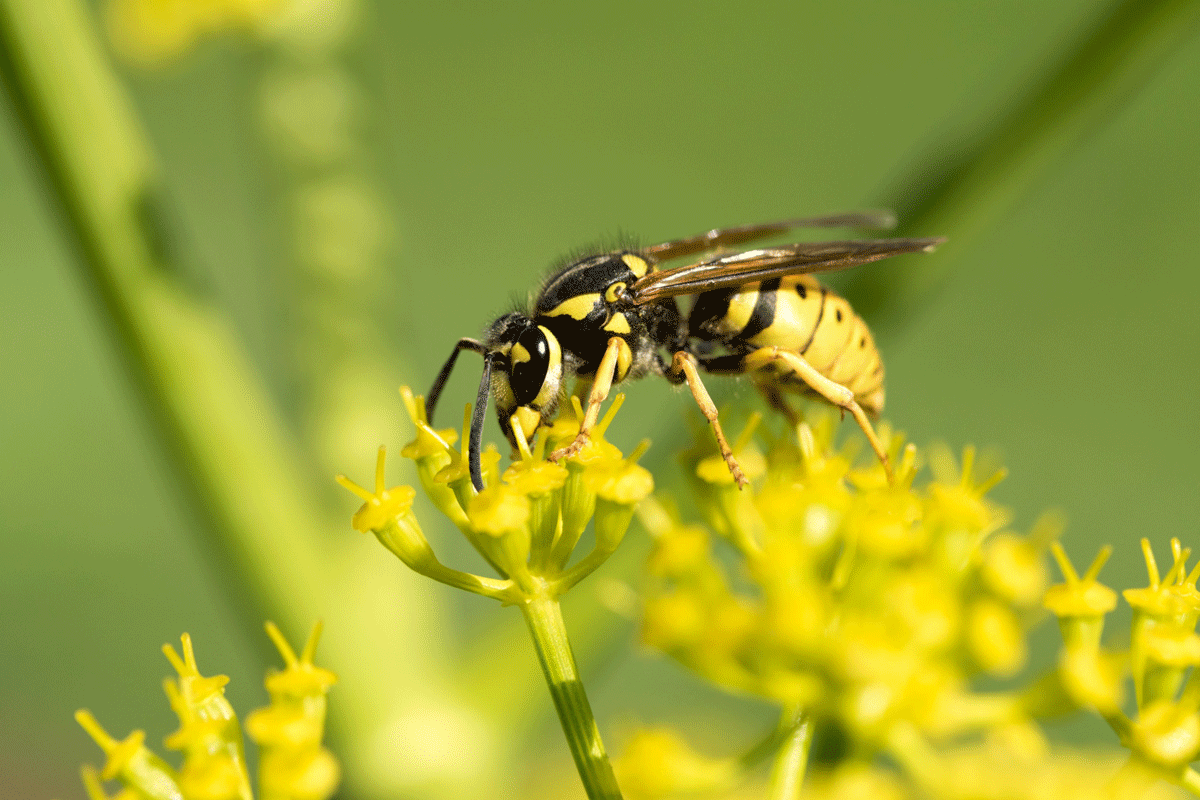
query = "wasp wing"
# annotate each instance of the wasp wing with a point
(725, 237)
(739, 269)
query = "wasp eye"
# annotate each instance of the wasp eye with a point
(530, 358)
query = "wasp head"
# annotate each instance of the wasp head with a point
(527, 377)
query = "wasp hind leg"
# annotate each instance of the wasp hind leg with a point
(599, 393)
(831, 390)
(775, 399)
(685, 363)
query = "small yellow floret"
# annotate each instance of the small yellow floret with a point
(120, 753)
(1173, 647)
(620, 482)
(1167, 734)
(429, 442)
(1080, 600)
(382, 505)
(1014, 570)
(1091, 678)
(498, 510)
(996, 638)
(284, 726)
(300, 678)
(535, 478)
(657, 763)
(311, 774)
(1080, 597)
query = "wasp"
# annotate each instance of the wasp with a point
(614, 316)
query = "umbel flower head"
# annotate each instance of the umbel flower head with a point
(526, 521)
(869, 604)
(866, 612)
(292, 763)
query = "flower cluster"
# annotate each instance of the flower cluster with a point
(1164, 734)
(526, 521)
(870, 603)
(867, 610)
(292, 763)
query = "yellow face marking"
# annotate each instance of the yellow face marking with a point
(618, 324)
(519, 354)
(577, 307)
(612, 292)
(636, 264)
(553, 380)
(555, 350)
(528, 419)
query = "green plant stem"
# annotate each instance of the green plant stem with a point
(998, 163)
(791, 762)
(225, 438)
(546, 626)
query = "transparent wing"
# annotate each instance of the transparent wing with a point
(724, 237)
(738, 269)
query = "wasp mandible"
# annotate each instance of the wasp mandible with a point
(611, 317)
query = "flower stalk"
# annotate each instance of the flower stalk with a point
(526, 522)
(549, 633)
(787, 774)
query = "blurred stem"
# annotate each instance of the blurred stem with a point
(968, 193)
(193, 376)
(549, 632)
(787, 774)
(224, 435)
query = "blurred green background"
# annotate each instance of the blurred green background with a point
(356, 194)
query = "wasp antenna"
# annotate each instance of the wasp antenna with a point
(439, 382)
(481, 403)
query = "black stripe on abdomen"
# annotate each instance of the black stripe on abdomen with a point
(817, 324)
(764, 310)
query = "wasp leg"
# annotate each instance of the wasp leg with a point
(777, 401)
(596, 397)
(831, 390)
(685, 363)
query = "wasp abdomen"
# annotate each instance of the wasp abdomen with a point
(795, 313)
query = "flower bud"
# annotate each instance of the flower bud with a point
(1080, 604)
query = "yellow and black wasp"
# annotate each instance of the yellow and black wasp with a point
(611, 317)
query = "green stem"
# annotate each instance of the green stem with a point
(998, 164)
(225, 438)
(787, 775)
(545, 621)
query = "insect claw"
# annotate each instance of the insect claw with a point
(570, 450)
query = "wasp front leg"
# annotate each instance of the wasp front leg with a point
(684, 364)
(616, 359)
(831, 390)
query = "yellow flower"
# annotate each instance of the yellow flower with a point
(1081, 603)
(526, 521)
(657, 763)
(292, 764)
(152, 31)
